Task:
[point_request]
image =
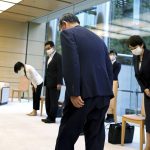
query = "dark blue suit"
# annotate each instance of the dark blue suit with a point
(88, 73)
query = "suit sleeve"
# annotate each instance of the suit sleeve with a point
(140, 82)
(59, 69)
(71, 65)
(116, 71)
(138, 77)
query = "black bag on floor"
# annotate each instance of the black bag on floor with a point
(114, 134)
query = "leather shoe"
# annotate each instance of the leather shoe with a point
(48, 121)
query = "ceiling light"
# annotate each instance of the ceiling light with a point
(12, 1)
(4, 5)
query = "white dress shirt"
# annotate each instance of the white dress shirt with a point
(51, 57)
(33, 76)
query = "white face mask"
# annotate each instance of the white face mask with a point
(50, 51)
(137, 51)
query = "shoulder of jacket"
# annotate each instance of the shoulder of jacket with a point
(118, 63)
(147, 51)
(58, 55)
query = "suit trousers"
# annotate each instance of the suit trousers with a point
(113, 102)
(147, 112)
(51, 102)
(89, 118)
(36, 97)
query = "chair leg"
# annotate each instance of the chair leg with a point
(41, 107)
(19, 96)
(28, 95)
(123, 131)
(141, 135)
(12, 95)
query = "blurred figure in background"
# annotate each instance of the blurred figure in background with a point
(53, 81)
(36, 82)
(112, 110)
(141, 62)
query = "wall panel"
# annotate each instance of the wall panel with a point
(13, 29)
(35, 48)
(12, 45)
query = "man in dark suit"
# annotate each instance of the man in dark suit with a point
(88, 77)
(53, 81)
(111, 113)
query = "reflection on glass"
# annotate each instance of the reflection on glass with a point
(115, 21)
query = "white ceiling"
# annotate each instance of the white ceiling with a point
(28, 10)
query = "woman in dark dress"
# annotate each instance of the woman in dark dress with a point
(141, 62)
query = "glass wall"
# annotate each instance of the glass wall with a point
(115, 21)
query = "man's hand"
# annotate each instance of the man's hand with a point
(58, 86)
(77, 101)
(147, 92)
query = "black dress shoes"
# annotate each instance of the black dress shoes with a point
(48, 120)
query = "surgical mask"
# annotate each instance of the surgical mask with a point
(50, 51)
(137, 51)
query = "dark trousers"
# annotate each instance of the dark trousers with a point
(52, 95)
(147, 112)
(89, 119)
(36, 97)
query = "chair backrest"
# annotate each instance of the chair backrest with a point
(23, 84)
(142, 107)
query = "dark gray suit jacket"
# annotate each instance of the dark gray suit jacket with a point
(86, 65)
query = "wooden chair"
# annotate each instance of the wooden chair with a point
(23, 86)
(60, 100)
(137, 119)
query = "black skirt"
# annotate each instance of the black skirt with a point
(147, 112)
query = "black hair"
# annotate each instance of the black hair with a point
(51, 43)
(18, 66)
(68, 17)
(136, 40)
(113, 52)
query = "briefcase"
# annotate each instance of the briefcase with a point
(114, 134)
